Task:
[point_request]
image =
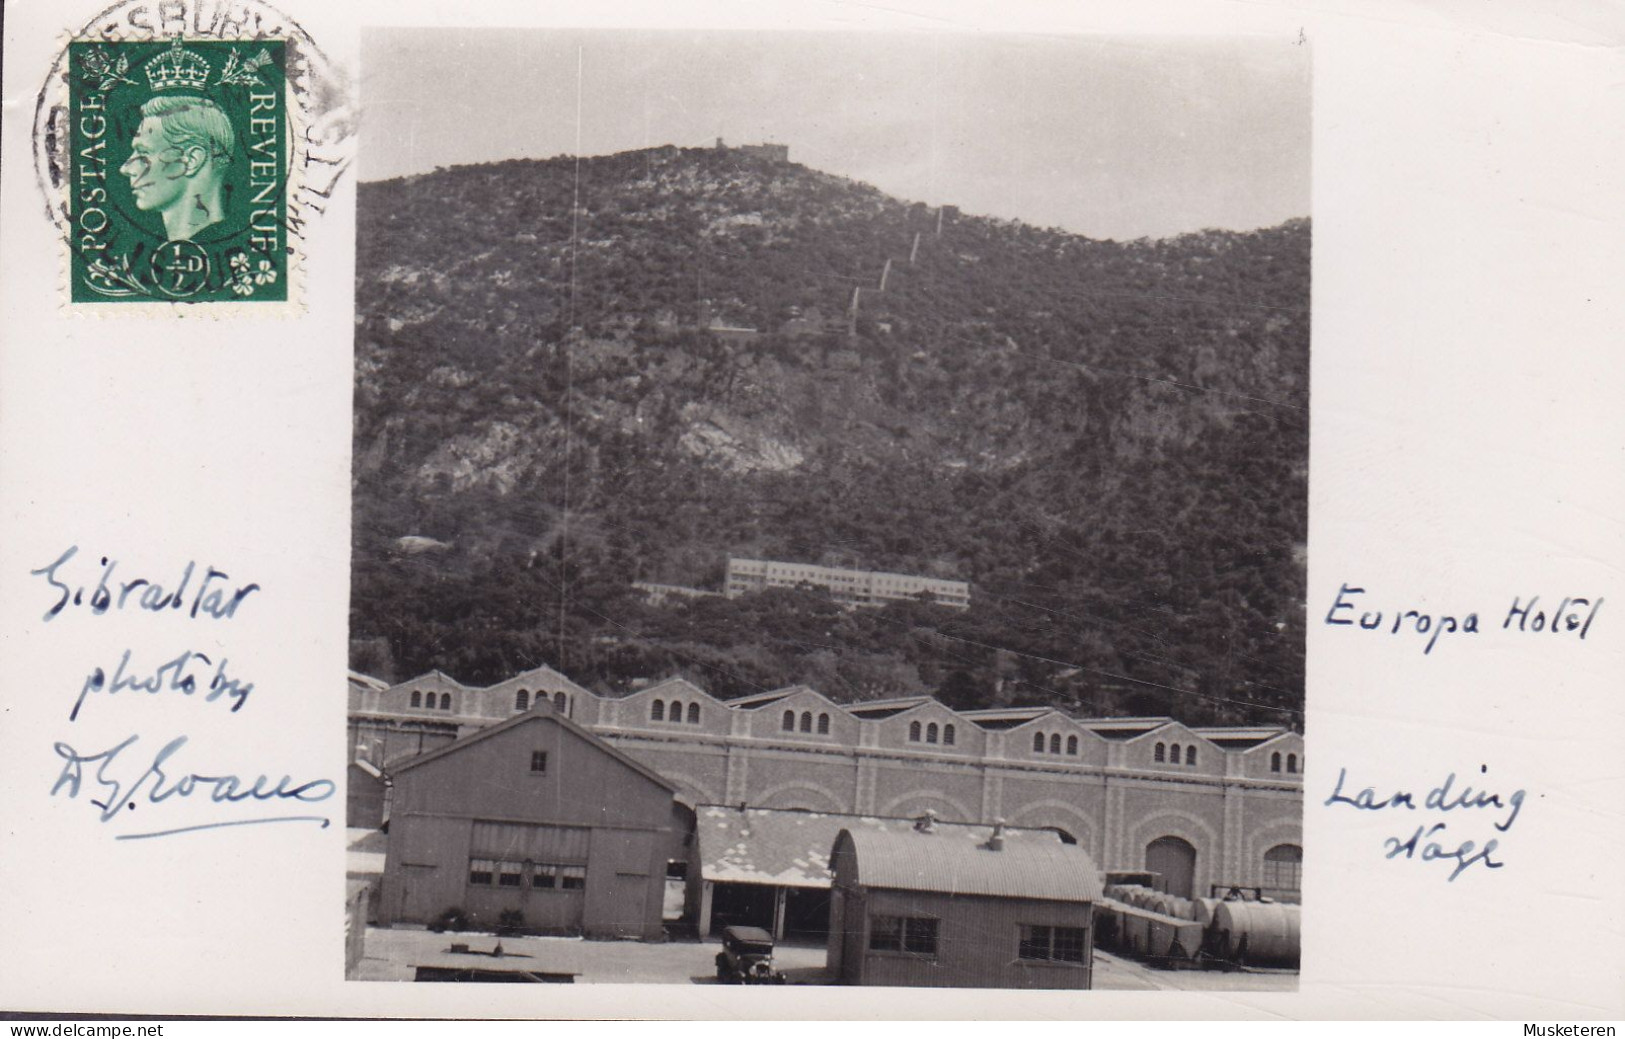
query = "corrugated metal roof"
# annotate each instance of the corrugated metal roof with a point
(1239, 738)
(903, 702)
(756, 700)
(915, 861)
(788, 848)
(1121, 728)
(1238, 732)
(1006, 718)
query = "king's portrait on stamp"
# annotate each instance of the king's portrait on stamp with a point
(178, 162)
(180, 171)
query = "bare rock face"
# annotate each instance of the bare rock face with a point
(494, 456)
(698, 353)
(735, 444)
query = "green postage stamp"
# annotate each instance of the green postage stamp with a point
(179, 168)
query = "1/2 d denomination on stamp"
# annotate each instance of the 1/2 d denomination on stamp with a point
(179, 171)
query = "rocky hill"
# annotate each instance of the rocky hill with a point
(574, 376)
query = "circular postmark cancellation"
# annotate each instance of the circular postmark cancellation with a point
(182, 146)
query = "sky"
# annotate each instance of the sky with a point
(1109, 137)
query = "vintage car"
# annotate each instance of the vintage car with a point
(747, 958)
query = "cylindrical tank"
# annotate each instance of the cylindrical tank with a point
(1264, 933)
(1202, 910)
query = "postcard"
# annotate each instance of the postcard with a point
(1005, 511)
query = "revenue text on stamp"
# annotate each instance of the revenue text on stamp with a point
(179, 185)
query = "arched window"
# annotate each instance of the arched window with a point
(823, 725)
(1160, 754)
(657, 711)
(806, 721)
(1283, 871)
(1292, 763)
(694, 714)
(521, 699)
(1173, 754)
(1072, 745)
(1190, 755)
(1055, 743)
(417, 698)
(914, 732)
(789, 721)
(445, 701)
(1038, 743)
(948, 735)
(931, 733)
(674, 713)
(561, 704)
(1275, 762)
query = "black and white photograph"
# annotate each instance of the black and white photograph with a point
(825, 512)
(829, 509)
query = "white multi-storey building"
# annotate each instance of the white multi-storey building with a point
(850, 587)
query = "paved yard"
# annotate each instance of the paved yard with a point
(1117, 972)
(391, 955)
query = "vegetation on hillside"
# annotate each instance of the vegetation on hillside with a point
(1108, 440)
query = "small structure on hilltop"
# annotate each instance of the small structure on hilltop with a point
(766, 150)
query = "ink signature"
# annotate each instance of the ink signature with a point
(156, 785)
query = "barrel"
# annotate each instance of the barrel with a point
(1202, 909)
(1264, 933)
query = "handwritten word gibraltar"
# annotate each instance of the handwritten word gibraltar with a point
(1573, 616)
(210, 596)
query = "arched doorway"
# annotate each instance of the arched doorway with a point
(1175, 860)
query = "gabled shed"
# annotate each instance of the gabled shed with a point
(915, 908)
